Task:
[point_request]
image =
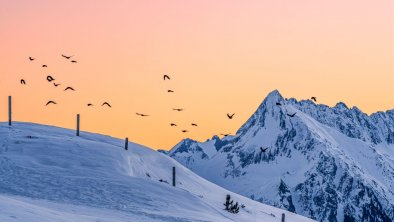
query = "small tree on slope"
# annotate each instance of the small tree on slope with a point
(230, 206)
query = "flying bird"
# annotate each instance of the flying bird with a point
(263, 150)
(292, 115)
(313, 98)
(166, 77)
(173, 124)
(170, 91)
(278, 104)
(184, 131)
(50, 102)
(107, 104)
(89, 104)
(31, 59)
(67, 57)
(56, 85)
(178, 110)
(141, 114)
(69, 88)
(193, 124)
(224, 134)
(230, 116)
(44, 66)
(23, 82)
(50, 78)
(73, 61)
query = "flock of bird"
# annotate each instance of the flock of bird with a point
(51, 79)
(167, 78)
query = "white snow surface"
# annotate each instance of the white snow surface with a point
(297, 144)
(49, 174)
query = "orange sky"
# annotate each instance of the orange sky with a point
(223, 56)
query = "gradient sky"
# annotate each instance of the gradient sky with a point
(223, 56)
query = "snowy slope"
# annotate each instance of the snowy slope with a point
(49, 174)
(327, 163)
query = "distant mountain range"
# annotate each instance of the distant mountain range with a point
(326, 163)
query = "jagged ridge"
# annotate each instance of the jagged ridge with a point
(328, 163)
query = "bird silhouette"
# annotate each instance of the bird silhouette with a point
(141, 114)
(292, 115)
(313, 98)
(178, 110)
(89, 104)
(50, 78)
(230, 116)
(73, 61)
(67, 57)
(44, 66)
(51, 102)
(56, 85)
(224, 134)
(31, 59)
(170, 91)
(23, 82)
(166, 77)
(184, 131)
(173, 124)
(107, 104)
(193, 124)
(263, 150)
(69, 88)
(278, 104)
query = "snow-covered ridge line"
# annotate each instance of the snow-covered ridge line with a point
(327, 163)
(49, 174)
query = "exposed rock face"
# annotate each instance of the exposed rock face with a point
(330, 164)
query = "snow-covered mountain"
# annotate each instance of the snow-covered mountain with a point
(326, 163)
(49, 174)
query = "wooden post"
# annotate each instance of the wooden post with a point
(283, 217)
(78, 118)
(173, 176)
(9, 110)
(126, 144)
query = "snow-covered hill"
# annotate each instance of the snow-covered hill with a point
(327, 163)
(49, 174)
